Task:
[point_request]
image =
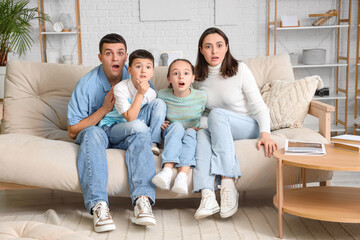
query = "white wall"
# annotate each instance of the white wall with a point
(248, 37)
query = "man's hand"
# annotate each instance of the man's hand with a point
(143, 87)
(164, 125)
(109, 101)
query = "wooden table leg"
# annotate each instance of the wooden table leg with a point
(280, 193)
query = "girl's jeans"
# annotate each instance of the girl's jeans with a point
(133, 136)
(180, 145)
(215, 152)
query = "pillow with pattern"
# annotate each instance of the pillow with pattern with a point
(289, 101)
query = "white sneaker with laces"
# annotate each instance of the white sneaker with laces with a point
(163, 178)
(102, 218)
(180, 183)
(143, 213)
(229, 201)
(155, 149)
(208, 204)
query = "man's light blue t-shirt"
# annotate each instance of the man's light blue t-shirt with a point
(89, 94)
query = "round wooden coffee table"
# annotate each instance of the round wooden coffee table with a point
(326, 203)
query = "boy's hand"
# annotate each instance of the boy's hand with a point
(143, 87)
(109, 100)
(165, 125)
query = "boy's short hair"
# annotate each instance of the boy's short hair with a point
(140, 53)
(112, 38)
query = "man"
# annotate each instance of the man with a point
(91, 100)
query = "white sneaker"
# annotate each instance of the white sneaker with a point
(143, 213)
(155, 149)
(102, 218)
(163, 178)
(208, 204)
(180, 184)
(229, 201)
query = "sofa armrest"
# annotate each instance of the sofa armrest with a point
(323, 112)
(1, 110)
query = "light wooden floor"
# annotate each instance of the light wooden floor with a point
(43, 199)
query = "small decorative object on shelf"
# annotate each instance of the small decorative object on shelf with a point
(53, 55)
(314, 56)
(67, 21)
(68, 59)
(323, 17)
(322, 92)
(289, 21)
(58, 27)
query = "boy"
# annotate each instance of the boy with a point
(136, 110)
(91, 100)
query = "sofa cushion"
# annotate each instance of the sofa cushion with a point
(270, 68)
(55, 161)
(289, 101)
(37, 96)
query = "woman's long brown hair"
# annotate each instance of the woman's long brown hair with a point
(229, 66)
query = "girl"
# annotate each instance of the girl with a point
(185, 106)
(237, 111)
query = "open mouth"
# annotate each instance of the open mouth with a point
(181, 84)
(214, 58)
(115, 67)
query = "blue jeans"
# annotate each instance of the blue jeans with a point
(150, 119)
(180, 145)
(215, 152)
(136, 138)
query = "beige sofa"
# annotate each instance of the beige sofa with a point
(35, 150)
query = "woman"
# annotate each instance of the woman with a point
(237, 111)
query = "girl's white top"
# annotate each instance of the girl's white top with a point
(238, 94)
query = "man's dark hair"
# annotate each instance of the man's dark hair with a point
(140, 53)
(112, 38)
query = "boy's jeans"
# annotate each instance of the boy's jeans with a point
(215, 152)
(179, 146)
(92, 161)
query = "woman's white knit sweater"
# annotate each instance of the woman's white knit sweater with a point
(238, 94)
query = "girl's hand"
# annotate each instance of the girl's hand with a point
(196, 129)
(164, 125)
(269, 144)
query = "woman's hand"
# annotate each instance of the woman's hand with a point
(269, 144)
(164, 125)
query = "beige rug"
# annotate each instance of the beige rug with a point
(251, 222)
(256, 219)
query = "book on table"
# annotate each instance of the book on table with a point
(347, 142)
(296, 147)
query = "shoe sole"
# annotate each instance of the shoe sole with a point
(105, 228)
(156, 151)
(144, 221)
(179, 190)
(159, 183)
(213, 211)
(232, 211)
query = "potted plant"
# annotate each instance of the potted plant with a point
(15, 27)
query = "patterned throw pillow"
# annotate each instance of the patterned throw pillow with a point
(289, 101)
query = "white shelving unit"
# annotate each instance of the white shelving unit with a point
(309, 27)
(357, 90)
(43, 34)
(338, 94)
